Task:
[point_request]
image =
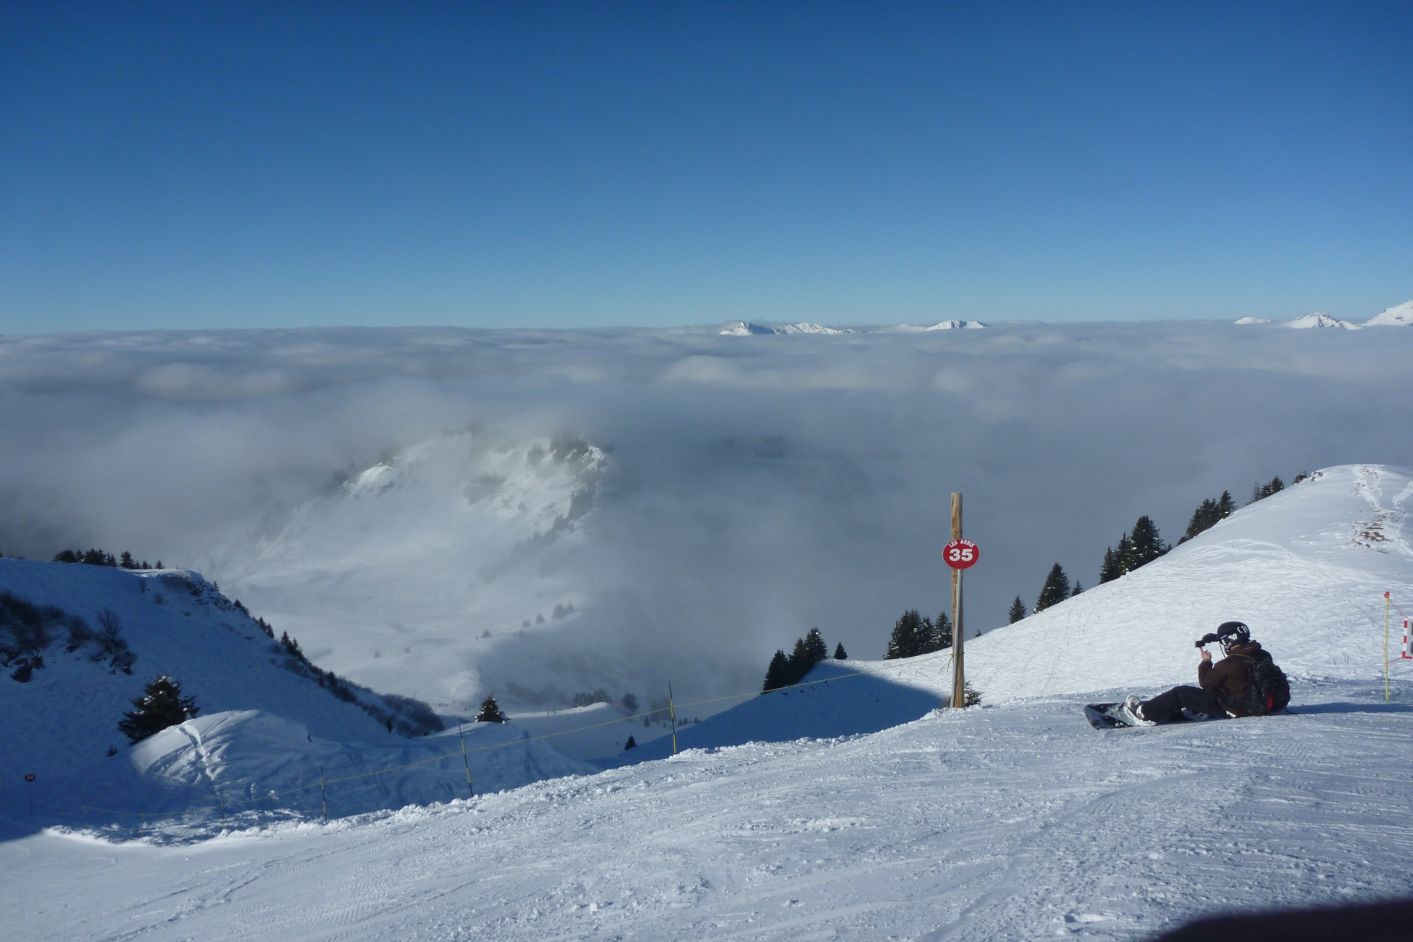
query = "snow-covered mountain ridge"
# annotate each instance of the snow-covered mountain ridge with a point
(1400, 315)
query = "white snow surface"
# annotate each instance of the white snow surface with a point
(851, 808)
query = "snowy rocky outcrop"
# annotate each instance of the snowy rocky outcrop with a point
(1252, 321)
(956, 325)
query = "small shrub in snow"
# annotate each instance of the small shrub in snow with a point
(490, 712)
(160, 706)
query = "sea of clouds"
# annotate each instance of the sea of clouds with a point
(757, 485)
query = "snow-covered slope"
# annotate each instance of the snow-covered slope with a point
(1306, 569)
(265, 730)
(1004, 822)
(1400, 315)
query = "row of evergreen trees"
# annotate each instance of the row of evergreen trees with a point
(98, 557)
(914, 634)
(788, 669)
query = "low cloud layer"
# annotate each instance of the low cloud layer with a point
(759, 485)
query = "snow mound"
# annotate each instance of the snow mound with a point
(957, 325)
(255, 762)
(1400, 315)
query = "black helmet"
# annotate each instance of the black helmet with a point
(1231, 633)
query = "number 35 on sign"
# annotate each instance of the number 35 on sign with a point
(961, 554)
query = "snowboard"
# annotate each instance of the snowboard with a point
(1107, 716)
(1104, 716)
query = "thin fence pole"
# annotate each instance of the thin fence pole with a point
(470, 792)
(323, 795)
(672, 714)
(1388, 602)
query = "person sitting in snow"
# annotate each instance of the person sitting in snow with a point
(1224, 689)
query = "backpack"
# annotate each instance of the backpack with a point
(1269, 690)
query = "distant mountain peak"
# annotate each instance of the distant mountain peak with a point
(751, 328)
(1319, 319)
(957, 325)
(1400, 315)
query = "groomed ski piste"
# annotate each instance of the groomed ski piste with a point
(850, 807)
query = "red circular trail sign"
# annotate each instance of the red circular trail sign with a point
(961, 554)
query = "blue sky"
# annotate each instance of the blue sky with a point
(582, 164)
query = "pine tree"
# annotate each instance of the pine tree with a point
(905, 640)
(1017, 611)
(1225, 505)
(1128, 559)
(797, 664)
(815, 648)
(1056, 589)
(839, 653)
(1147, 544)
(939, 634)
(775, 674)
(490, 712)
(126, 561)
(1203, 517)
(1110, 570)
(1078, 588)
(160, 706)
(630, 744)
(1273, 486)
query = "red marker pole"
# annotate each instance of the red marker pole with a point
(1406, 655)
(959, 554)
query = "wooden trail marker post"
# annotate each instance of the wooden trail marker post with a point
(959, 554)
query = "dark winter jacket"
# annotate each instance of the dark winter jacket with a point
(1229, 680)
